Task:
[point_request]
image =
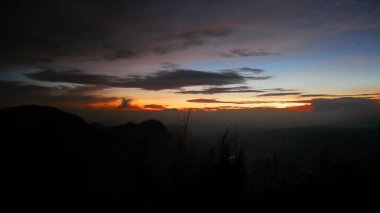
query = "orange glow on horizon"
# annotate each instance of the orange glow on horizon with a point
(116, 105)
(304, 108)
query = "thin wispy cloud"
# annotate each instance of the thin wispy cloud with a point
(214, 101)
(279, 94)
(218, 90)
(170, 66)
(191, 39)
(341, 95)
(155, 106)
(121, 54)
(248, 52)
(248, 69)
(281, 90)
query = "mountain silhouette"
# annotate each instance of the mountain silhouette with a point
(58, 153)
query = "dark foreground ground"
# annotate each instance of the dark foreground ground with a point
(51, 155)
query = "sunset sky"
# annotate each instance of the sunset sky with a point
(157, 55)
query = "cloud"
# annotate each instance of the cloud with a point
(13, 93)
(191, 39)
(279, 94)
(43, 32)
(281, 89)
(313, 95)
(368, 94)
(223, 32)
(17, 93)
(125, 103)
(248, 52)
(248, 69)
(162, 50)
(260, 77)
(346, 104)
(155, 107)
(183, 78)
(73, 76)
(121, 54)
(249, 72)
(340, 96)
(95, 30)
(217, 90)
(170, 66)
(159, 80)
(245, 70)
(214, 101)
(216, 108)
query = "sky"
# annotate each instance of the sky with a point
(121, 55)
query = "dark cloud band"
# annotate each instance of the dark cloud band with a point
(159, 80)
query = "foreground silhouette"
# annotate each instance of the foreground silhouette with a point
(54, 155)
